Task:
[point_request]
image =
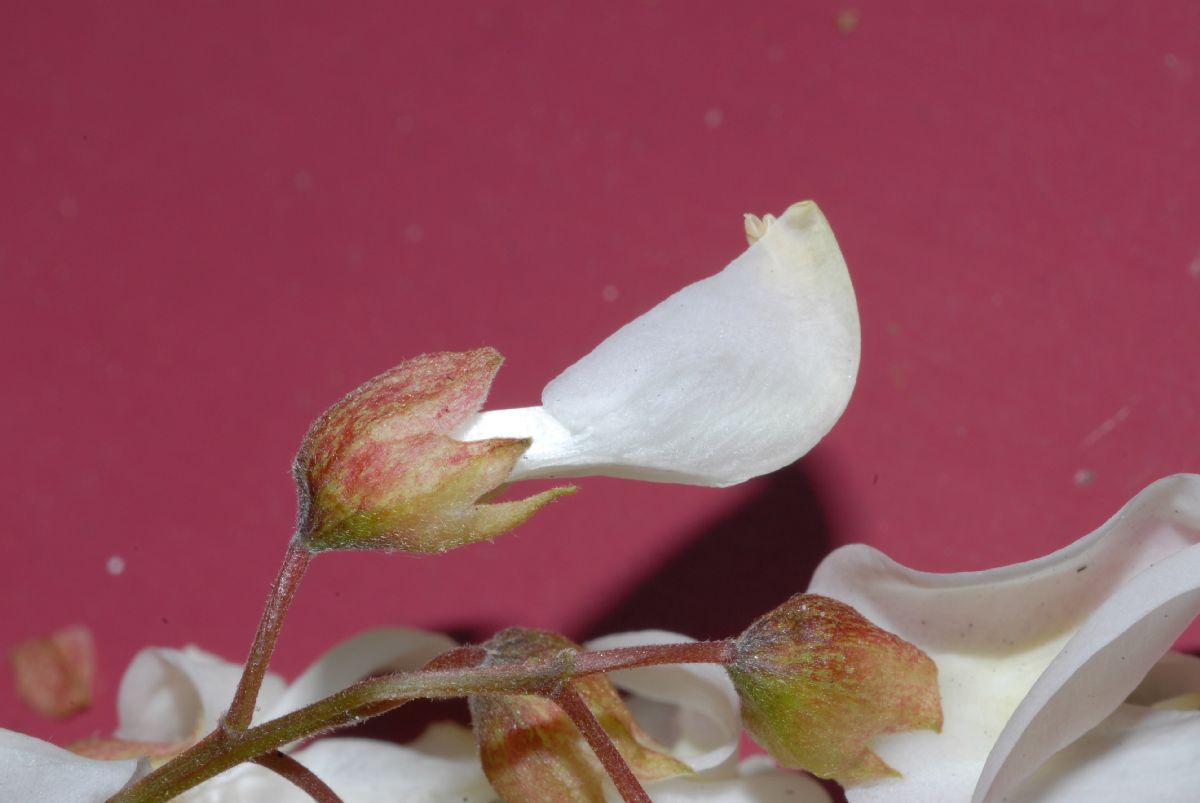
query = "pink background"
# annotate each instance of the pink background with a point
(216, 221)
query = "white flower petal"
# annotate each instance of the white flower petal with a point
(32, 770)
(731, 377)
(171, 695)
(1135, 754)
(758, 781)
(385, 649)
(1175, 674)
(690, 708)
(1032, 656)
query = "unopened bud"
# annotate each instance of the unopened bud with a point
(379, 470)
(530, 749)
(819, 682)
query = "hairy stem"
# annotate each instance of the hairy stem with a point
(691, 652)
(298, 775)
(295, 563)
(614, 763)
(224, 748)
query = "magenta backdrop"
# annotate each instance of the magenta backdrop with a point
(217, 218)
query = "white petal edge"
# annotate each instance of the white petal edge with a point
(693, 708)
(169, 695)
(758, 780)
(1135, 754)
(32, 770)
(1030, 656)
(731, 377)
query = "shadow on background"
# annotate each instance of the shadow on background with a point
(735, 570)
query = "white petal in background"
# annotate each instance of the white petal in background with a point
(33, 770)
(1034, 656)
(731, 377)
(171, 695)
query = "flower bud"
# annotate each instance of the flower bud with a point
(818, 682)
(379, 470)
(529, 747)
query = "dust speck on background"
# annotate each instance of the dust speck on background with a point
(115, 565)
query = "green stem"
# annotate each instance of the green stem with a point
(295, 563)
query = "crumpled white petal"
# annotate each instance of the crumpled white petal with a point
(1034, 656)
(731, 377)
(169, 695)
(31, 769)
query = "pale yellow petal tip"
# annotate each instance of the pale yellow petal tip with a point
(1182, 702)
(757, 226)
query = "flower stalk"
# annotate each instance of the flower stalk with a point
(618, 770)
(295, 564)
(224, 749)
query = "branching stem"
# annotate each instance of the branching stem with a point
(223, 748)
(299, 775)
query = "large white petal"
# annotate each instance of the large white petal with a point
(33, 770)
(1135, 754)
(1032, 656)
(729, 378)
(692, 709)
(171, 695)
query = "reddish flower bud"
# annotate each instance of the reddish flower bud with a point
(529, 747)
(379, 470)
(819, 682)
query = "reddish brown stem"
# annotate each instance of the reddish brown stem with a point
(614, 763)
(692, 652)
(241, 710)
(299, 775)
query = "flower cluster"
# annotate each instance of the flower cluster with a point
(1050, 681)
